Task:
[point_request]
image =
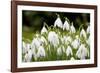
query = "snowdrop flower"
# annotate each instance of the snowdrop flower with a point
(82, 52)
(53, 38)
(28, 46)
(72, 29)
(44, 30)
(69, 51)
(72, 58)
(88, 30)
(25, 47)
(60, 50)
(76, 43)
(58, 22)
(83, 33)
(43, 40)
(28, 56)
(66, 25)
(35, 43)
(41, 52)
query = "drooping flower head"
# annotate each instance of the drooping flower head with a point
(76, 43)
(28, 56)
(60, 50)
(66, 25)
(43, 40)
(25, 47)
(69, 51)
(82, 52)
(41, 52)
(58, 22)
(72, 29)
(44, 30)
(53, 38)
(35, 43)
(83, 34)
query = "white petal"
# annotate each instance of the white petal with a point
(28, 56)
(66, 25)
(76, 43)
(44, 30)
(58, 22)
(60, 50)
(83, 33)
(26, 47)
(36, 43)
(82, 52)
(53, 38)
(41, 52)
(43, 40)
(69, 51)
(72, 30)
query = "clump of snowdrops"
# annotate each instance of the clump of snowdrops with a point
(60, 41)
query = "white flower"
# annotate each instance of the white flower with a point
(35, 43)
(88, 30)
(76, 43)
(72, 58)
(82, 52)
(60, 50)
(43, 40)
(25, 47)
(53, 38)
(83, 33)
(69, 51)
(44, 30)
(66, 25)
(58, 22)
(28, 56)
(28, 46)
(41, 52)
(72, 29)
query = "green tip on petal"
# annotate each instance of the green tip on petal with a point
(72, 23)
(44, 23)
(66, 18)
